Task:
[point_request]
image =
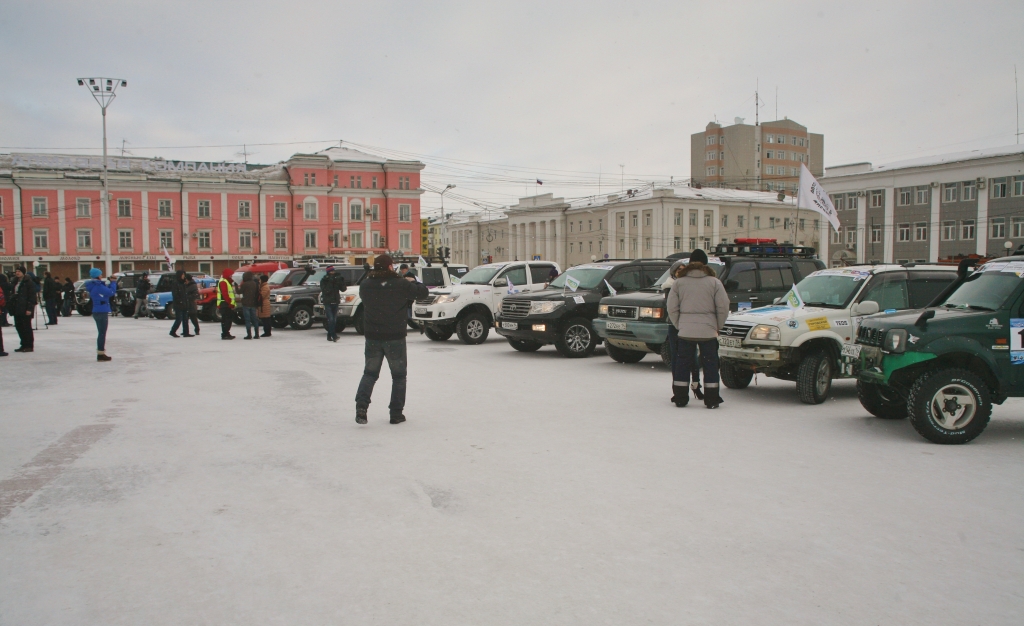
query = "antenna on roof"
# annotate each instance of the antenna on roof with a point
(245, 155)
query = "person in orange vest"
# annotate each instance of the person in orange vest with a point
(226, 303)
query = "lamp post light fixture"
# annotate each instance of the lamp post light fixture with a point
(444, 220)
(104, 90)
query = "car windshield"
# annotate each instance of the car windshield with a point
(833, 291)
(657, 286)
(278, 277)
(480, 275)
(589, 277)
(314, 278)
(985, 290)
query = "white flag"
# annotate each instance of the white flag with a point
(170, 261)
(572, 283)
(793, 299)
(812, 196)
(611, 289)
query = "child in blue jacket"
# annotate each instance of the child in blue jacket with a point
(100, 292)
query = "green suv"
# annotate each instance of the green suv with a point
(946, 365)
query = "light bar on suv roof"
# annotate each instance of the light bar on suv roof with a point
(780, 249)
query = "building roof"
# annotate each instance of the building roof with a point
(712, 194)
(926, 161)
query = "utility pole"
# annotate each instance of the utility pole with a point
(444, 220)
(104, 91)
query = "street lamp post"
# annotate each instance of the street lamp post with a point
(104, 91)
(444, 219)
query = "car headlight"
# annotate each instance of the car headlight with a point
(348, 299)
(652, 312)
(452, 297)
(895, 341)
(764, 332)
(283, 298)
(543, 308)
(602, 309)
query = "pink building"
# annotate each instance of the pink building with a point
(338, 203)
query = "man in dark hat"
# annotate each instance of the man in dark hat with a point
(331, 286)
(22, 305)
(385, 296)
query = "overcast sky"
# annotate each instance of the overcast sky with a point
(577, 87)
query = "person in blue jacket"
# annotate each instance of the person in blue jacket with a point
(100, 292)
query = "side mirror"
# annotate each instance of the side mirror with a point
(776, 300)
(732, 285)
(501, 282)
(868, 307)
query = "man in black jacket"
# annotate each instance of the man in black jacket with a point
(179, 295)
(385, 296)
(22, 305)
(141, 291)
(331, 286)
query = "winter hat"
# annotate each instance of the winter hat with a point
(95, 273)
(228, 273)
(330, 268)
(699, 256)
(383, 262)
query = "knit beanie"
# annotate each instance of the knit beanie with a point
(699, 256)
(95, 273)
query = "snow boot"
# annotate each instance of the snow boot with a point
(360, 415)
(711, 398)
(397, 418)
(680, 395)
(102, 357)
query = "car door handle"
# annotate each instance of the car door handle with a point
(753, 297)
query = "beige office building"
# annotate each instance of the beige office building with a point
(763, 157)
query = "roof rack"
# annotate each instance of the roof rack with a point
(777, 249)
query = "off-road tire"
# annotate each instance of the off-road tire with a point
(473, 329)
(623, 355)
(85, 310)
(437, 335)
(956, 385)
(873, 397)
(169, 311)
(357, 321)
(814, 377)
(159, 315)
(127, 310)
(523, 345)
(301, 317)
(734, 377)
(577, 339)
(209, 313)
(276, 321)
(666, 354)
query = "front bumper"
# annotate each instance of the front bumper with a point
(540, 330)
(635, 332)
(436, 312)
(756, 355)
(279, 309)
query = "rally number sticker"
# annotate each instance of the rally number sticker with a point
(1017, 341)
(841, 323)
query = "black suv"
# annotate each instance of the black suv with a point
(563, 313)
(635, 325)
(295, 305)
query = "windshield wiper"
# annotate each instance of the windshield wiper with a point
(823, 304)
(978, 307)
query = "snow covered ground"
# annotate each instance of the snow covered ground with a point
(199, 481)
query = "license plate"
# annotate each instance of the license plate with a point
(730, 342)
(852, 350)
(421, 311)
(616, 325)
(510, 325)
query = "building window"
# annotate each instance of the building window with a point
(757, 221)
(785, 223)
(404, 212)
(711, 171)
(712, 139)
(280, 210)
(124, 239)
(203, 240)
(693, 243)
(998, 228)
(622, 221)
(245, 239)
(355, 182)
(739, 221)
(771, 138)
(677, 242)
(970, 190)
(203, 209)
(877, 199)
(590, 225)
(622, 245)
(905, 197)
(83, 207)
(356, 239)
(999, 187)
(948, 231)
(922, 195)
(967, 229)
(39, 207)
(355, 212)
(311, 240)
(839, 201)
(375, 213)
(305, 179)
(771, 222)
(1018, 227)
(679, 218)
(949, 192)
(837, 236)
(851, 236)
(280, 239)
(852, 202)
(904, 232)
(647, 243)
(634, 221)
(707, 219)
(403, 182)
(1018, 186)
(167, 240)
(335, 180)
(710, 156)
(600, 224)
(921, 231)
(84, 239)
(374, 182)
(244, 210)
(725, 221)
(124, 207)
(309, 211)
(405, 241)
(337, 212)
(647, 221)
(375, 239)
(876, 233)
(632, 245)
(693, 218)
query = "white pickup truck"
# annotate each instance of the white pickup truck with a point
(469, 307)
(813, 344)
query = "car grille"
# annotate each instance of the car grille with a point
(736, 329)
(870, 336)
(515, 308)
(426, 301)
(622, 312)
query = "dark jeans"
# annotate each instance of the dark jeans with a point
(252, 321)
(67, 307)
(51, 311)
(102, 319)
(673, 345)
(195, 320)
(227, 318)
(23, 324)
(686, 360)
(376, 351)
(266, 321)
(180, 319)
(331, 310)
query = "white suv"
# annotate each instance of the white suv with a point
(814, 343)
(468, 308)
